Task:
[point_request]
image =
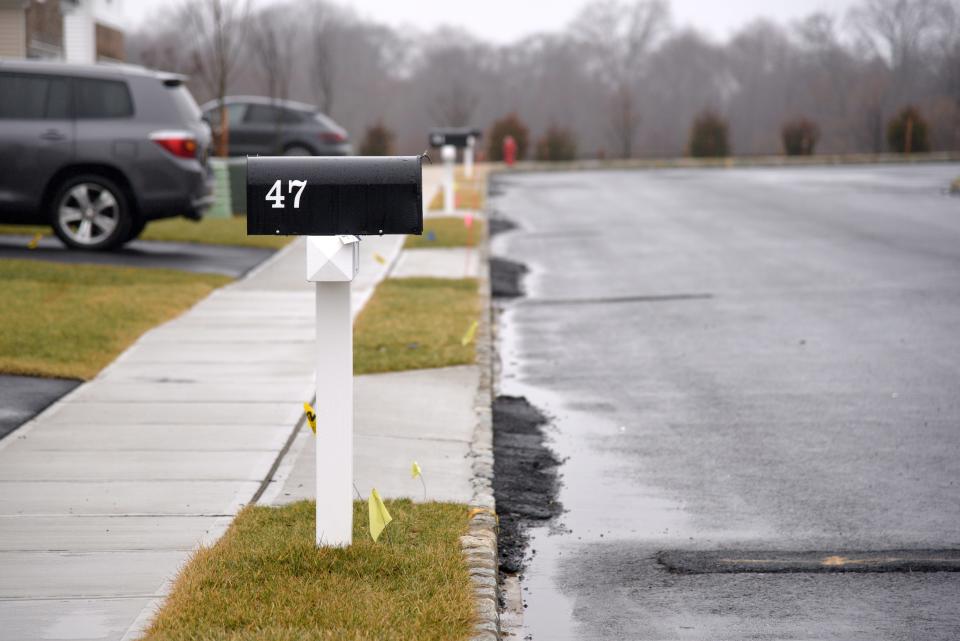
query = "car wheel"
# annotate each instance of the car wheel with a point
(91, 212)
(297, 150)
(136, 228)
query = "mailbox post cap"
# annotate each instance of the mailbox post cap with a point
(332, 258)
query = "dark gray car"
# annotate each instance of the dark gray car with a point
(265, 127)
(98, 151)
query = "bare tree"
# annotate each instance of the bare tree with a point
(619, 36)
(614, 63)
(899, 31)
(273, 35)
(321, 54)
(274, 40)
(218, 27)
(454, 106)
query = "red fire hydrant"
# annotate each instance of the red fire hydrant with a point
(509, 150)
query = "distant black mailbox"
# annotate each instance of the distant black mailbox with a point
(453, 136)
(332, 196)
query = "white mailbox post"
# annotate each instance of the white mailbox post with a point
(333, 201)
(468, 156)
(449, 155)
(332, 263)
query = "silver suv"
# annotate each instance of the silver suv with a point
(98, 151)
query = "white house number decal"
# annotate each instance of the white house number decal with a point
(276, 193)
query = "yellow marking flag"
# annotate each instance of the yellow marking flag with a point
(415, 470)
(34, 241)
(379, 516)
(379, 258)
(471, 333)
(311, 416)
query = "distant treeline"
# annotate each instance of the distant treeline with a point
(620, 81)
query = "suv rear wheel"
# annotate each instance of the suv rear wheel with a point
(91, 212)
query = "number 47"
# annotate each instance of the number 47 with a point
(275, 194)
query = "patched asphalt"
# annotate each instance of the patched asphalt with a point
(525, 477)
(823, 561)
(506, 278)
(738, 361)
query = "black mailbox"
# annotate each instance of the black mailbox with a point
(332, 196)
(453, 136)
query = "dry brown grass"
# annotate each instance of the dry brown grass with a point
(266, 581)
(416, 323)
(70, 321)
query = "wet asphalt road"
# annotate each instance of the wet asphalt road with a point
(739, 361)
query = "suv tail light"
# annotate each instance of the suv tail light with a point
(181, 144)
(332, 137)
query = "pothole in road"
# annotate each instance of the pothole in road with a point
(500, 225)
(754, 561)
(524, 476)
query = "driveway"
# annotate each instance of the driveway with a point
(191, 257)
(752, 378)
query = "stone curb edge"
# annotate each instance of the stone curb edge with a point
(479, 545)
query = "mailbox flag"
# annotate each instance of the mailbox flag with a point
(379, 516)
(311, 417)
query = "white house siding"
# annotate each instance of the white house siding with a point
(79, 41)
(111, 13)
(13, 33)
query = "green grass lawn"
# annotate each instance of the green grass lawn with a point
(416, 323)
(448, 231)
(266, 581)
(209, 231)
(70, 321)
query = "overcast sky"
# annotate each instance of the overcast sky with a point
(488, 18)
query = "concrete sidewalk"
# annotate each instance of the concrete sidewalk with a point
(422, 415)
(106, 493)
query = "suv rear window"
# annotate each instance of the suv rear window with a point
(102, 98)
(31, 97)
(184, 102)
